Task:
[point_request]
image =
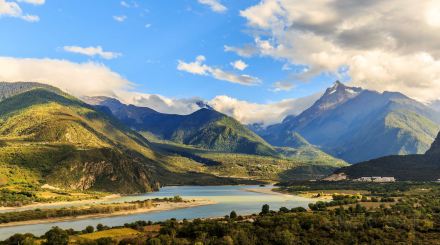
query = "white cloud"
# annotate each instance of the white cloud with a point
(215, 5)
(95, 79)
(34, 2)
(120, 18)
(161, 103)
(147, 25)
(266, 114)
(246, 51)
(199, 68)
(12, 9)
(92, 51)
(244, 111)
(196, 67)
(384, 44)
(239, 65)
(125, 4)
(79, 79)
(282, 86)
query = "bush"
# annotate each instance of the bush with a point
(298, 210)
(265, 209)
(56, 236)
(233, 215)
(90, 229)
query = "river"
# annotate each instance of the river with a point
(227, 198)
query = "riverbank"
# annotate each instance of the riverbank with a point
(161, 206)
(265, 190)
(278, 191)
(61, 203)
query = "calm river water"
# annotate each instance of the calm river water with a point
(228, 198)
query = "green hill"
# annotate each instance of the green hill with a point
(205, 128)
(9, 89)
(411, 167)
(64, 142)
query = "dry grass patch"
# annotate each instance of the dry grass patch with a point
(112, 233)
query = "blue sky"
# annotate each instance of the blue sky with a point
(168, 54)
(151, 40)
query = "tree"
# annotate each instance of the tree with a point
(265, 209)
(90, 229)
(105, 241)
(233, 215)
(284, 210)
(56, 236)
(20, 239)
(298, 210)
(100, 227)
(154, 241)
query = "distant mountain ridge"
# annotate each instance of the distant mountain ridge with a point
(424, 167)
(357, 125)
(9, 89)
(205, 128)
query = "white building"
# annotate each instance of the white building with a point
(377, 179)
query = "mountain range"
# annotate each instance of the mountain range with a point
(358, 125)
(205, 128)
(50, 137)
(100, 143)
(212, 134)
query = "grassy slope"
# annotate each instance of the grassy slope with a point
(226, 135)
(66, 143)
(397, 132)
(419, 128)
(294, 165)
(410, 167)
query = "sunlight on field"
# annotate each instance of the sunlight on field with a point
(122, 232)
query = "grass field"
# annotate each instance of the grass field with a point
(113, 233)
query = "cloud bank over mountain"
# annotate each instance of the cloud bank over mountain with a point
(96, 79)
(381, 45)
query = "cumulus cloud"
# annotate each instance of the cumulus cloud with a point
(266, 114)
(199, 68)
(215, 5)
(244, 111)
(161, 103)
(283, 86)
(385, 45)
(95, 79)
(92, 51)
(79, 79)
(239, 65)
(120, 18)
(34, 2)
(12, 9)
